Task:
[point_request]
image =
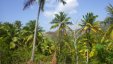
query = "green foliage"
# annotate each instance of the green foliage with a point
(90, 41)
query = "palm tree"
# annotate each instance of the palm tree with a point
(9, 36)
(61, 21)
(41, 4)
(109, 19)
(28, 32)
(12, 32)
(5, 39)
(108, 22)
(88, 25)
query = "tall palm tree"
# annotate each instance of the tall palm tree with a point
(18, 24)
(40, 8)
(41, 4)
(88, 25)
(61, 21)
(109, 19)
(108, 22)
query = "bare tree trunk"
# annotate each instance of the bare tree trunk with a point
(76, 36)
(88, 37)
(35, 34)
(75, 44)
(76, 53)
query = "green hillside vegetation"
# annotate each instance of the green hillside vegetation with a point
(92, 43)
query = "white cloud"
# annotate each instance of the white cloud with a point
(53, 8)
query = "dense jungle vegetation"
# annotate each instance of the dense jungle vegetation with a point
(92, 43)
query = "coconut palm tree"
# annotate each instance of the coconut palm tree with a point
(108, 22)
(40, 8)
(5, 39)
(10, 37)
(88, 25)
(41, 4)
(18, 24)
(109, 19)
(28, 32)
(61, 21)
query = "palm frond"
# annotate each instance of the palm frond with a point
(28, 3)
(41, 4)
(67, 19)
(54, 26)
(69, 23)
(89, 18)
(110, 9)
(55, 20)
(63, 2)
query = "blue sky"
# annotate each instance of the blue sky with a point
(11, 10)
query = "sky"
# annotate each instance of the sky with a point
(11, 10)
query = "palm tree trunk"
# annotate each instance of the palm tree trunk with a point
(76, 53)
(75, 43)
(87, 60)
(88, 37)
(35, 34)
